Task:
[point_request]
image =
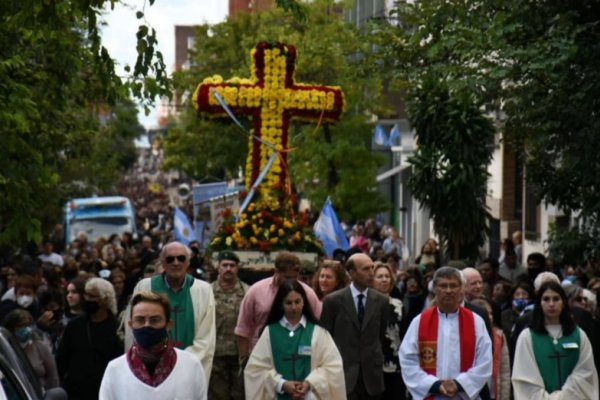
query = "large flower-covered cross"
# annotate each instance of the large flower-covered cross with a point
(271, 98)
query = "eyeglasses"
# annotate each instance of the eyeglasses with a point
(581, 299)
(152, 321)
(171, 259)
(448, 286)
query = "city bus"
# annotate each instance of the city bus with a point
(99, 216)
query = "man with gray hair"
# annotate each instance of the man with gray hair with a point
(474, 284)
(192, 305)
(446, 351)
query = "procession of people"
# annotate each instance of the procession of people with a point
(357, 331)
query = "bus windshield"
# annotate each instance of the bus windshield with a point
(96, 227)
(99, 216)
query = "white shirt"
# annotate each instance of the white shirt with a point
(355, 292)
(185, 382)
(52, 258)
(287, 325)
(419, 382)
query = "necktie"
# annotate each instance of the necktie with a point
(361, 308)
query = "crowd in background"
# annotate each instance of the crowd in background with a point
(43, 293)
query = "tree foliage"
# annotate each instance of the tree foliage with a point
(325, 161)
(534, 64)
(55, 76)
(450, 174)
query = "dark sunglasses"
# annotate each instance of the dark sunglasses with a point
(171, 259)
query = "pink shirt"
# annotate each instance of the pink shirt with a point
(256, 306)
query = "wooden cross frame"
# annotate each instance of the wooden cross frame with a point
(272, 98)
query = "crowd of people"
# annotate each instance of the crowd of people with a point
(153, 318)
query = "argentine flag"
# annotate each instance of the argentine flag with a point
(183, 230)
(380, 137)
(395, 136)
(329, 231)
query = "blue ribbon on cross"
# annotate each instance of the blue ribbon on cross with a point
(267, 167)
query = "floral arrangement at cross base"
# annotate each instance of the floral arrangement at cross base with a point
(268, 224)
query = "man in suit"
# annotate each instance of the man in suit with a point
(356, 319)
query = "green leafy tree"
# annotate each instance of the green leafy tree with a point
(104, 156)
(534, 64)
(54, 77)
(331, 160)
(450, 164)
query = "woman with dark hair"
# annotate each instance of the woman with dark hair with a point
(553, 358)
(39, 354)
(415, 295)
(521, 295)
(294, 357)
(51, 321)
(501, 295)
(75, 290)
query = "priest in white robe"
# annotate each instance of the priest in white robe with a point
(456, 360)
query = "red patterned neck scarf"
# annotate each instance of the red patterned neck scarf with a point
(166, 362)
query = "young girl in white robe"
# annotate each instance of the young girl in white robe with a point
(294, 356)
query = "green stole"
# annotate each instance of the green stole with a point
(291, 354)
(554, 361)
(182, 310)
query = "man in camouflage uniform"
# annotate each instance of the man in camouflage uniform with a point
(225, 383)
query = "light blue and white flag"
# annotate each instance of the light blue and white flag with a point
(182, 229)
(329, 231)
(380, 136)
(395, 136)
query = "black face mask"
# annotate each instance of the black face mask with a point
(148, 336)
(90, 307)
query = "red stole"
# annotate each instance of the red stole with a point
(428, 331)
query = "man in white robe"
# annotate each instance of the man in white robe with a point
(449, 381)
(326, 378)
(202, 299)
(152, 369)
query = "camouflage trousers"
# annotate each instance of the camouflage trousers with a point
(225, 382)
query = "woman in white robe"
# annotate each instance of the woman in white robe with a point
(553, 318)
(325, 380)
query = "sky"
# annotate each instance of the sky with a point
(119, 35)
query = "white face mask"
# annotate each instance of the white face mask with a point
(24, 301)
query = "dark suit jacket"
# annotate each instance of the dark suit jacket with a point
(359, 345)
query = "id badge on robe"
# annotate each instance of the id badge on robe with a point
(570, 346)
(304, 350)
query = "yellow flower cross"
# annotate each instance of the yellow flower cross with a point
(271, 98)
